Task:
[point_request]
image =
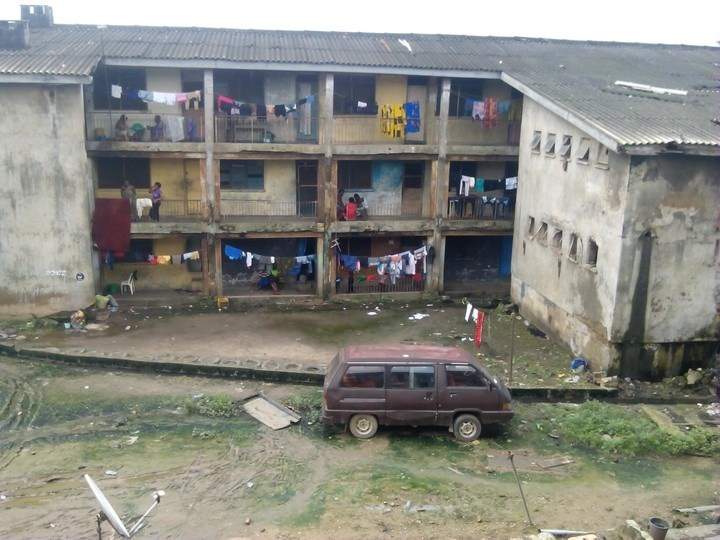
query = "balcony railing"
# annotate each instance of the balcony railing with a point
(283, 130)
(480, 207)
(369, 130)
(248, 208)
(372, 283)
(145, 127)
(186, 209)
(384, 209)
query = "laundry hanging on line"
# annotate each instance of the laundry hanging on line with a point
(187, 99)
(235, 107)
(233, 253)
(478, 184)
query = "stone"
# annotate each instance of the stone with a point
(693, 376)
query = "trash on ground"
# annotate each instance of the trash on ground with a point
(372, 313)
(96, 327)
(551, 463)
(418, 316)
(269, 412)
(110, 472)
(77, 319)
(578, 365)
(573, 379)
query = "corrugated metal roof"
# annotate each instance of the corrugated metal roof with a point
(577, 76)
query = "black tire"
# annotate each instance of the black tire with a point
(467, 428)
(363, 426)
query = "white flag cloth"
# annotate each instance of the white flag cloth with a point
(511, 183)
(468, 310)
(116, 91)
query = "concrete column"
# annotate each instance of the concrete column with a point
(436, 272)
(320, 266)
(209, 124)
(204, 191)
(204, 263)
(443, 118)
(430, 110)
(218, 266)
(327, 114)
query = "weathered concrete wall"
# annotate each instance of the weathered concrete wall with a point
(280, 187)
(573, 300)
(45, 201)
(676, 199)
(163, 80)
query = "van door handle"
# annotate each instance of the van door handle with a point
(452, 394)
(428, 395)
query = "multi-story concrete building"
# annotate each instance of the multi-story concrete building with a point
(237, 171)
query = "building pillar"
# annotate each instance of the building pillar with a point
(204, 196)
(204, 263)
(321, 288)
(209, 125)
(218, 265)
(327, 113)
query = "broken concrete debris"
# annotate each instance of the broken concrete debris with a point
(269, 412)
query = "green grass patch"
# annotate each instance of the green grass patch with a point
(219, 406)
(613, 429)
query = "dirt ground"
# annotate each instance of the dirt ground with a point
(308, 337)
(58, 423)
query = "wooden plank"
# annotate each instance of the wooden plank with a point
(270, 413)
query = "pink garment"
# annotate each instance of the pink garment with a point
(224, 99)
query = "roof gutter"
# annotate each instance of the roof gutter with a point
(9, 78)
(288, 66)
(596, 133)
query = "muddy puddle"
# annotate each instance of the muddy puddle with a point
(136, 433)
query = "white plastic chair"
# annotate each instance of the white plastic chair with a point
(129, 284)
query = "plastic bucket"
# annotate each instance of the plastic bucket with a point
(578, 365)
(658, 528)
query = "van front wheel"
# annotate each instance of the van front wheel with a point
(467, 427)
(363, 426)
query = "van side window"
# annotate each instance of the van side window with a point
(412, 377)
(364, 377)
(463, 375)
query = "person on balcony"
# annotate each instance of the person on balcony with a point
(340, 206)
(156, 196)
(350, 210)
(121, 129)
(127, 192)
(362, 209)
(157, 132)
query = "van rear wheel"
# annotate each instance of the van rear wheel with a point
(467, 427)
(363, 426)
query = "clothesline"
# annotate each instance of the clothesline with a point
(174, 259)
(233, 253)
(478, 184)
(164, 98)
(260, 109)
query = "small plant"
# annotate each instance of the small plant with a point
(308, 404)
(220, 406)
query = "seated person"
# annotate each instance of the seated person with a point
(121, 129)
(362, 210)
(270, 279)
(157, 132)
(350, 213)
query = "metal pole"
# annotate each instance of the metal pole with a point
(511, 457)
(512, 348)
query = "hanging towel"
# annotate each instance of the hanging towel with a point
(479, 185)
(475, 314)
(248, 259)
(511, 183)
(478, 110)
(466, 182)
(191, 256)
(145, 95)
(490, 118)
(175, 128)
(468, 311)
(116, 91)
(164, 259)
(140, 204)
(234, 253)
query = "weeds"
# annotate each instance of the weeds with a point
(617, 430)
(220, 406)
(308, 404)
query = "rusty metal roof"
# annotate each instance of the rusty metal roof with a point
(407, 353)
(576, 76)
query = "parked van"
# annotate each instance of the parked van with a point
(412, 385)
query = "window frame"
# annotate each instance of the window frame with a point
(555, 244)
(412, 370)
(126, 77)
(536, 142)
(591, 257)
(542, 233)
(565, 151)
(486, 383)
(584, 150)
(130, 174)
(348, 89)
(575, 248)
(602, 161)
(372, 368)
(229, 185)
(550, 144)
(347, 172)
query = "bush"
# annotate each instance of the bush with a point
(221, 406)
(619, 430)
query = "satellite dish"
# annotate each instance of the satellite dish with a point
(107, 509)
(107, 512)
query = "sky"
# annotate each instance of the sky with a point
(692, 22)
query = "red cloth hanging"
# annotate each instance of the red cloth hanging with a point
(479, 328)
(111, 224)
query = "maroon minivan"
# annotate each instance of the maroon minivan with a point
(412, 385)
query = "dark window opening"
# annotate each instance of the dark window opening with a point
(542, 233)
(536, 141)
(583, 155)
(192, 81)
(414, 174)
(462, 93)
(129, 78)
(550, 145)
(463, 375)
(566, 147)
(350, 90)
(364, 377)
(557, 239)
(112, 172)
(138, 251)
(592, 255)
(245, 86)
(354, 175)
(531, 226)
(242, 174)
(575, 248)
(412, 377)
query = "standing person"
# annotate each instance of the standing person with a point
(156, 195)
(350, 210)
(121, 129)
(127, 192)
(362, 210)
